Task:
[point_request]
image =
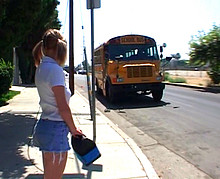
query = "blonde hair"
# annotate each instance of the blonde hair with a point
(52, 40)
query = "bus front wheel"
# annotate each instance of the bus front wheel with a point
(157, 95)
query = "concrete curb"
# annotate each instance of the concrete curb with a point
(210, 89)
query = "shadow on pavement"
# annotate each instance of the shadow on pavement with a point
(14, 132)
(210, 90)
(131, 102)
(91, 168)
(65, 176)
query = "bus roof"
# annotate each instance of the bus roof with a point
(117, 39)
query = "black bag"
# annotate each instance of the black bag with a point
(85, 149)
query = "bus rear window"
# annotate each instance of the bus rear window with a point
(133, 52)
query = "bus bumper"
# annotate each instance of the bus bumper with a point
(131, 88)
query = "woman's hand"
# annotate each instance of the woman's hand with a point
(77, 132)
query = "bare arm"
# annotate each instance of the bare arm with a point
(64, 110)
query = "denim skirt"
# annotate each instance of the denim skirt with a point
(51, 136)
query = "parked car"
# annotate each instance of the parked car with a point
(82, 72)
(66, 73)
(66, 68)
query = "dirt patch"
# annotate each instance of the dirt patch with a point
(198, 81)
(198, 78)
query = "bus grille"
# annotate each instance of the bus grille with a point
(136, 72)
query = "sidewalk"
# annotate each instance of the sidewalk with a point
(121, 157)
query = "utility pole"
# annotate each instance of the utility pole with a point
(71, 48)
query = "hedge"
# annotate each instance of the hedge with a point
(6, 76)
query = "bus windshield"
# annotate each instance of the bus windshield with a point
(132, 52)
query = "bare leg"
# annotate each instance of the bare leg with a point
(54, 164)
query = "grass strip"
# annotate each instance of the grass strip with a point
(5, 97)
(174, 80)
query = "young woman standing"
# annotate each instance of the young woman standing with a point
(50, 133)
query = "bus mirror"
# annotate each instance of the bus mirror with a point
(161, 49)
(164, 45)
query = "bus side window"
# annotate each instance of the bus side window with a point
(97, 57)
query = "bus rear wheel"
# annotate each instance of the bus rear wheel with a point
(98, 89)
(110, 94)
(157, 95)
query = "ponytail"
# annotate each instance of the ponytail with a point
(61, 52)
(37, 53)
(52, 40)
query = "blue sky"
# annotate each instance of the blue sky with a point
(173, 22)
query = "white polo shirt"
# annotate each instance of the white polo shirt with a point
(50, 74)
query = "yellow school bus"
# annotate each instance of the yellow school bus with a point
(128, 64)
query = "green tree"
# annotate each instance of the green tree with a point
(22, 24)
(204, 49)
(47, 18)
(17, 19)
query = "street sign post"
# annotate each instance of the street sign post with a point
(91, 4)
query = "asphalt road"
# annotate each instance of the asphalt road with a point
(180, 134)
